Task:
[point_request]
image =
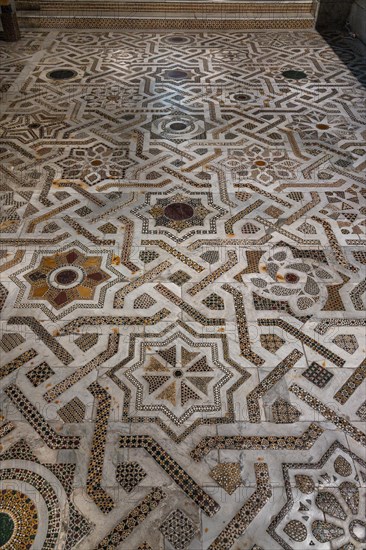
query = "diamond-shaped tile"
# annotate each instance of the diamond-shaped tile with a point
(148, 256)
(83, 211)
(73, 411)
(284, 413)
(40, 374)
(178, 529)
(179, 278)
(211, 256)
(129, 475)
(271, 342)
(144, 301)
(228, 476)
(108, 228)
(347, 342)
(214, 302)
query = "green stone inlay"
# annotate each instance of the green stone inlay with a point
(6, 528)
(294, 75)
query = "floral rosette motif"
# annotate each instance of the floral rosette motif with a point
(302, 282)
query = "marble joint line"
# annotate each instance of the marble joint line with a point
(175, 253)
(190, 310)
(209, 279)
(269, 381)
(128, 524)
(50, 341)
(255, 503)
(21, 360)
(328, 413)
(114, 320)
(121, 294)
(174, 471)
(310, 342)
(257, 443)
(69, 381)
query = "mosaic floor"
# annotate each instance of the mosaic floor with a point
(182, 292)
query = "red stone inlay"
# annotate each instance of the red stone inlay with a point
(178, 211)
(71, 257)
(291, 278)
(61, 298)
(96, 276)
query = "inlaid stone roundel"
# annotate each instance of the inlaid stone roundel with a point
(177, 74)
(179, 211)
(294, 74)
(177, 126)
(61, 74)
(66, 277)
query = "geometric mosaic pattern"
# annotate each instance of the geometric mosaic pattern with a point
(182, 290)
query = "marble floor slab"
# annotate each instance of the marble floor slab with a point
(182, 294)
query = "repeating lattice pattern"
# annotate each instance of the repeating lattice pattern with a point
(182, 290)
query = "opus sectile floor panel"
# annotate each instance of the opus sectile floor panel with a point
(182, 292)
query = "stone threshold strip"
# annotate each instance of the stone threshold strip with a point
(258, 442)
(172, 468)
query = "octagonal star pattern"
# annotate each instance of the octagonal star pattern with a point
(188, 381)
(182, 287)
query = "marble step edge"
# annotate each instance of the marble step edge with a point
(63, 22)
(218, 7)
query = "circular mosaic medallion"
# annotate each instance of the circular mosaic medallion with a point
(179, 211)
(66, 277)
(62, 74)
(293, 74)
(18, 520)
(177, 74)
(178, 374)
(322, 126)
(6, 528)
